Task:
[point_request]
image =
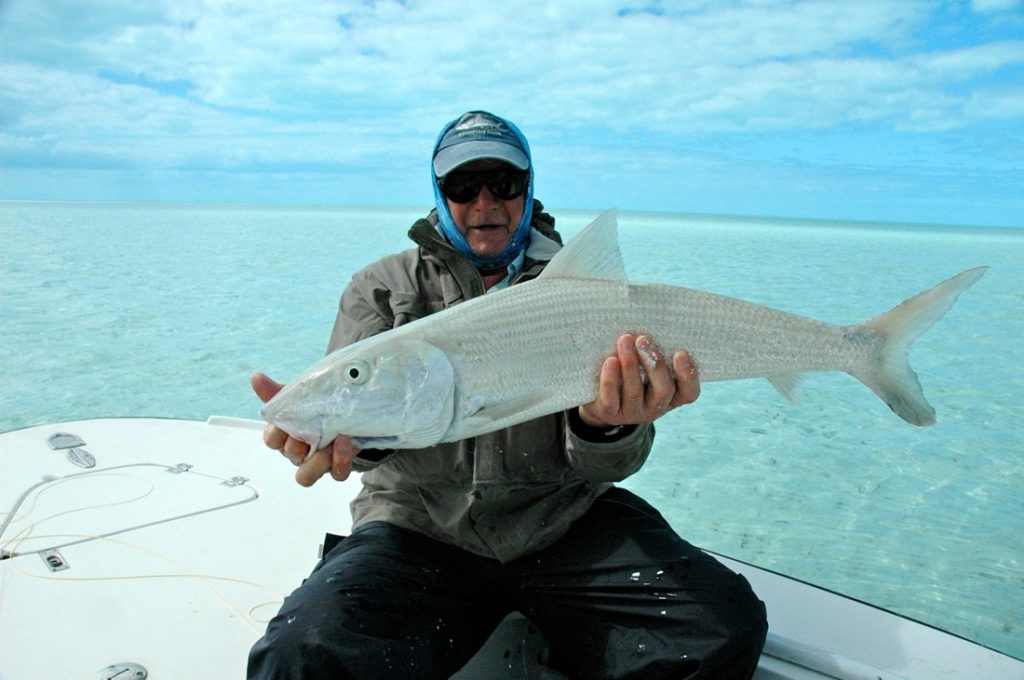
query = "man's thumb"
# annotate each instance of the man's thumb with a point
(264, 387)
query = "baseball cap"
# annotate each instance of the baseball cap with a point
(477, 135)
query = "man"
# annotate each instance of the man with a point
(449, 539)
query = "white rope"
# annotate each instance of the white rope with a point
(29, 533)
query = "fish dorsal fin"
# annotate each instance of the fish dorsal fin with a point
(593, 254)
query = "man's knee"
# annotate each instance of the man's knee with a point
(745, 634)
(290, 651)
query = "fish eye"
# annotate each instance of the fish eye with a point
(356, 372)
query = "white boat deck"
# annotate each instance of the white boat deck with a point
(164, 556)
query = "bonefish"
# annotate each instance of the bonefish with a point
(536, 348)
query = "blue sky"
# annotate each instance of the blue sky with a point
(888, 110)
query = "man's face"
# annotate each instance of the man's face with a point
(486, 221)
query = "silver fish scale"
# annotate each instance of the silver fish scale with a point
(544, 343)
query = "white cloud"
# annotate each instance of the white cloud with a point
(991, 6)
(308, 85)
(99, 122)
(298, 58)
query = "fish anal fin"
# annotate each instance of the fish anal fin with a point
(788, 385)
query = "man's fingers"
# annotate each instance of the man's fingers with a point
(632, 384)
(264, 387)
(296, 450)
(335, 459)
(274, 437)
(608, 396)
(661, 386)
(605, 407)
(314, 467)
(624, 396)
(343, 451)
(687, 380)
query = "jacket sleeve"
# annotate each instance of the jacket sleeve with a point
(608, 461)
(363, 311)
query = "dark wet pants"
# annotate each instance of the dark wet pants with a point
(620, 596)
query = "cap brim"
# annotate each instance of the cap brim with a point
(452, 157)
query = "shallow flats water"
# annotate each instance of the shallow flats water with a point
(165, 310)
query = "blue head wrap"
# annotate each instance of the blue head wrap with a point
(473, 136)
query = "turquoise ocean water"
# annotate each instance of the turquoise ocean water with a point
(165, 310)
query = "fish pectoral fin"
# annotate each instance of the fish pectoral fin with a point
(496, 416)
(788, 385)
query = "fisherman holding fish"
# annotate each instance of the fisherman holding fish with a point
(451, 537)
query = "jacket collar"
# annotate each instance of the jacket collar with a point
(425, 234)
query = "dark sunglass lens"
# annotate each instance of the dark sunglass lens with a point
(461, 188)
(507, 185)
(504, 185)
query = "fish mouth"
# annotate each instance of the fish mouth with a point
(307, 431)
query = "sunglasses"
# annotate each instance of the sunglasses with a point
(463, 187)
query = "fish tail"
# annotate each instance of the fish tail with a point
(893, 379)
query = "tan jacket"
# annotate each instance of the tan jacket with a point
(504, 494)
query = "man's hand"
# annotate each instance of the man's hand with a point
(624, 399)
(335, 459)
